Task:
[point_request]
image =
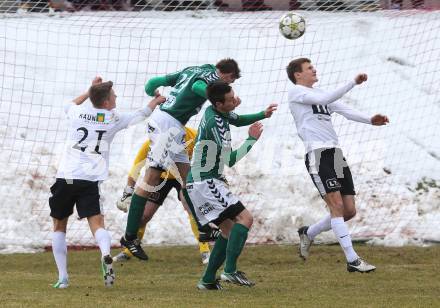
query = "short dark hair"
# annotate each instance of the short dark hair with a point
(99, 93)
(228, 66)
(295, 66)
(216, 91)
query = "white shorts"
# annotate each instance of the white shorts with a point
(167, 137)
(209, 199)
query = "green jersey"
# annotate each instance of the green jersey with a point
(183, 102)
(213, 144)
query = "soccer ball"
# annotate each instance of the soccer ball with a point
(292, 25)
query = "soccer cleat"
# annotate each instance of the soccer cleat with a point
(135, 248)
(237, 278)
(209, 286)
(121, 257)
(61, 284)
(205, 257)
(107, 270)
(304, 242)
(210, 236)
(360, 265)
(124, 203)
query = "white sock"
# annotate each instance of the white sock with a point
(343, 235)
(59, 250)
(319, 227)
(104, 241)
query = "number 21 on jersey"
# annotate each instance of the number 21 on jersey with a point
(78, 146)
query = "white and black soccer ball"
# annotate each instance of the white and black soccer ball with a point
(292, 25)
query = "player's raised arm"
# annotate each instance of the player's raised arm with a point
(302, 73)
(133, 118)
(255, 131)
(327, 97)
(355, 115)
(83, 97)
(156, 101)
(247, 119)
(161, 81)
(270, 110)
(349, 112)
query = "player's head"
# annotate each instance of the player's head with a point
(228, 70)
(301, 71)
(103, 96)
(221, 96)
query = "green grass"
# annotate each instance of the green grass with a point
(405, 277)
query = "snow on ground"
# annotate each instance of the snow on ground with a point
(48, 60)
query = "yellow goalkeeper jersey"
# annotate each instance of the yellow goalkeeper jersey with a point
(139, 161)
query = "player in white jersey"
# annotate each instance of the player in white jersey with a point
(91, 129)
(312, 108)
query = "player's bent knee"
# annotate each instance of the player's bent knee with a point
(60, 225)
(250, 221)
(225, 234)
(337, 209)
(349, 214)
(96, 222)
(245, 218)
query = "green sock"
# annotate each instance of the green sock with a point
(237, 239)
(216, 259)
(135, 213)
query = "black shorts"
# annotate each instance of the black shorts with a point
(159, 196)
(230, 213)
(85, 194)
(329, 171)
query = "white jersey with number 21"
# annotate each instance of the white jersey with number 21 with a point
(90, 133)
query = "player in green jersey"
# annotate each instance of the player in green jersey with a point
(167, 134)
(207, 192)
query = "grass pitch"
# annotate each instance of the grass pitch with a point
(405, 277)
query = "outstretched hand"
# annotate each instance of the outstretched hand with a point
(97, 80)
(82, 98)
(158, 100)
(270, 110)
(379, 120)
(361, 78)
(255, 130)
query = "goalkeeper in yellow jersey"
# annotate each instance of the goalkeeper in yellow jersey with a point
(152, 207)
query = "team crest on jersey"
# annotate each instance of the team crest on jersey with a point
(100, 117)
